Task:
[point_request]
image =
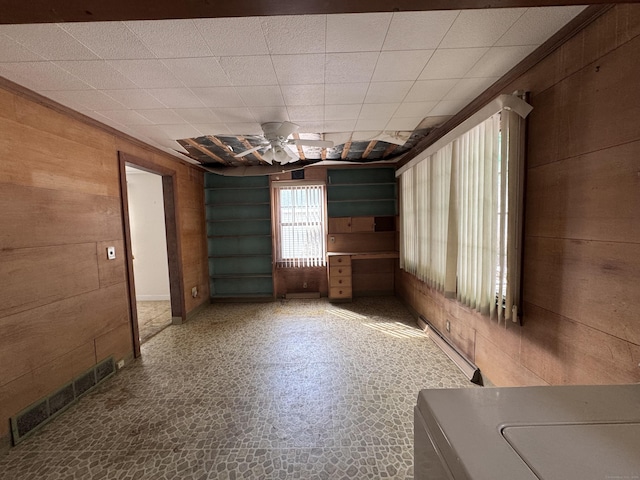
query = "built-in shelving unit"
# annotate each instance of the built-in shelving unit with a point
(361, 192)
(238, 213)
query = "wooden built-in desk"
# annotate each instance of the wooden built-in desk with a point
(339, 271)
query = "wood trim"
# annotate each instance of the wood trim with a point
(38, 99)
(560, 37)
(126, 227)
(53, 11)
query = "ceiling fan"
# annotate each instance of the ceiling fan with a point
(276, 143)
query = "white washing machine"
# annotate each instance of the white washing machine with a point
(528, 433)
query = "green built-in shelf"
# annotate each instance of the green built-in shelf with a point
(238, 211)
(361, 192)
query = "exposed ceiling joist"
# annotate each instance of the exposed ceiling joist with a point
(205, 150)
(256, 153)
(300, 151)
(369, 149)
(390, 149)
(345, 150)
(223, 146)
(55, 11)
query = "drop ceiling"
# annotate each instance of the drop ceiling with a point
(345, 76)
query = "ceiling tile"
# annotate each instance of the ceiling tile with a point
(401, 65)
(151, 131)
(125, 117)
(447, 107)
(313, 113)
(134, 98)
(233, 36)
(198, 72)
(12, 51)
(49, 41)
(342, 112)
(371, 124)
(537, 24)
(270, 114)
(170, 38)
(95, 100)
(350, 67)
(162, 116)
(109, 40)
(246, 128)
(382, 111)
(295, 34)
(249, 70)
(311, 127)
(97, 73)
(429, 90)
(299, 69)
(339, 125)
(344, 94)
(480, 28)
(147, 73)
(179, 131)
(176, 97)
(65, 98)
(42, 76)
(418, 30)
(451, 62)
(261, 96)
(303, 94)
(363, 32)
(234, 115)
(387, 92)
(415, 109)
(469, 88)
(219, 96)
(197, 115)
(499, 60)
(213, 128)
(406, 124)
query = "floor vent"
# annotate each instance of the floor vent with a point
(45, 409)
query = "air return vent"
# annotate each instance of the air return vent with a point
(45, 409)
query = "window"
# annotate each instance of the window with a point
(300, 224)
(461, 215)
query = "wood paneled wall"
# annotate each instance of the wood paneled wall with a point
(63, 305)
(582, 232)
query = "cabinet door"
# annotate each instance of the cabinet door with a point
(363, 224)
(340, 225)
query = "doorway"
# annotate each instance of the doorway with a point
(154, 269)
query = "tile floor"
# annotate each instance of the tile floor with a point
(298, 389)
(153, 317)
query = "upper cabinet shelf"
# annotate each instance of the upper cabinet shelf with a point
(361, 192)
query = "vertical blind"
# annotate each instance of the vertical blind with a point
(461, 215)
(300, 225)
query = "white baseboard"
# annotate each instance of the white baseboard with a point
(152, 298)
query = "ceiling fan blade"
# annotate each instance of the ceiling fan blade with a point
(247, 152)
(314, 143)
(286, 129)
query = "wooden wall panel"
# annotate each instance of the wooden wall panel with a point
(7, 105)
(111, 271)
(31, 277)
(116, 342)
(562, 351)
(500, 368)
(561, 202)
(41, 381)
(362, 242)
(35, 158)
(291, 280)
(35, 217)
(35, 337)
(594, 283)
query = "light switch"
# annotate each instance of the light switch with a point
(111, 253)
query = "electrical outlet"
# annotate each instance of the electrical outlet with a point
(111, 253)
(194, 292)
(332, 239)
(448, 326)
(304, 284)
(120, 364)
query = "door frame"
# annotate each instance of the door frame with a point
(170, 198)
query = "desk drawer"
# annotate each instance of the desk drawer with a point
(335, 260)
(344, 282)
(340, 292)
(340, 271)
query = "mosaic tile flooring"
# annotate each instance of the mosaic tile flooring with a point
(298, 389)
(153, 317)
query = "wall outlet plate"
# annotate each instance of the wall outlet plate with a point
(194, 292)
(111, 253)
